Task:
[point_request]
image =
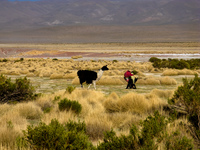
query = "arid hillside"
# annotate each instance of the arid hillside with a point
(61, 21)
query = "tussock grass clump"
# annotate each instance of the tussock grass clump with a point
(149, 81)
(110, 80)
(45, 103)
(75, 81)
(174, 72)
(12, 115)
(29, 110)
(124, 120)
(157, 81)
(96, 125)
(170, 72)
(45, 73)
(8, 137)
(56, 76)
(30, 75)
(163, 93)
(113, 96)
(168, 81)
(90, 100)
(4, 108)
(70, 75)
(133, 102)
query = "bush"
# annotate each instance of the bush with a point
(175, 63)
(20, 60)
(70, 89)
(21, 90)
(188, 95)
(54, 59)
(178, 143)
(57, 136)
(111, 142)
(67, 105)
(154, 59)
(74, 126)
(153, 127)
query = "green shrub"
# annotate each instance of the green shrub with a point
(21, 90)
(56, 98)
(70, 89)
(188, 95)
(54, 59)
(111, 142)
(175, 63)
(20, 60)
(76, 126)
(175, 142)
(154, 59)
(152, 127)
(67, 105)
(4, 60)
(57, 136)
(115, 61)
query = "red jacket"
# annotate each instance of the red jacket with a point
(128, 74)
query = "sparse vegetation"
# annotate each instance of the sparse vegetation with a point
(70, 89)
(58, 136)
(109, 117)
(67, 105)
(21, 90)
(175, 63)
(188, 96)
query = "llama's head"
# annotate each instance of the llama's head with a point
(104, 68)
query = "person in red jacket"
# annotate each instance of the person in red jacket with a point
(131, 79)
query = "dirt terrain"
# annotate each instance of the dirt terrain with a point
(109, 51)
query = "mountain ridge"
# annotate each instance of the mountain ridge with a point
(53, 17)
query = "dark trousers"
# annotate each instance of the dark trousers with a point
(130, 84)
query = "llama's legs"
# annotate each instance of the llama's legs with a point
(89, 86)
(94, 83)
(81, 82)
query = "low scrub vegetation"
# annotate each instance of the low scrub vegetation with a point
(111, 118)
(188, 96)
(57, 136)
(21, 90)
(175, 63)
(67, 105)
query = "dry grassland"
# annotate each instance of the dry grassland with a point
(100, 111)
(116, 48)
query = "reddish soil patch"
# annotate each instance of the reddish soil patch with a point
(33, 53)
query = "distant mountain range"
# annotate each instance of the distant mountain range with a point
(45, 15)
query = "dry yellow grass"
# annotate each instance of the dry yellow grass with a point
(174, 72)
(163, 93)
(96, 112)
(96, 106)
(157, 81)
(70, 75)
(56, 76)
(133, 102)
(97, 124)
